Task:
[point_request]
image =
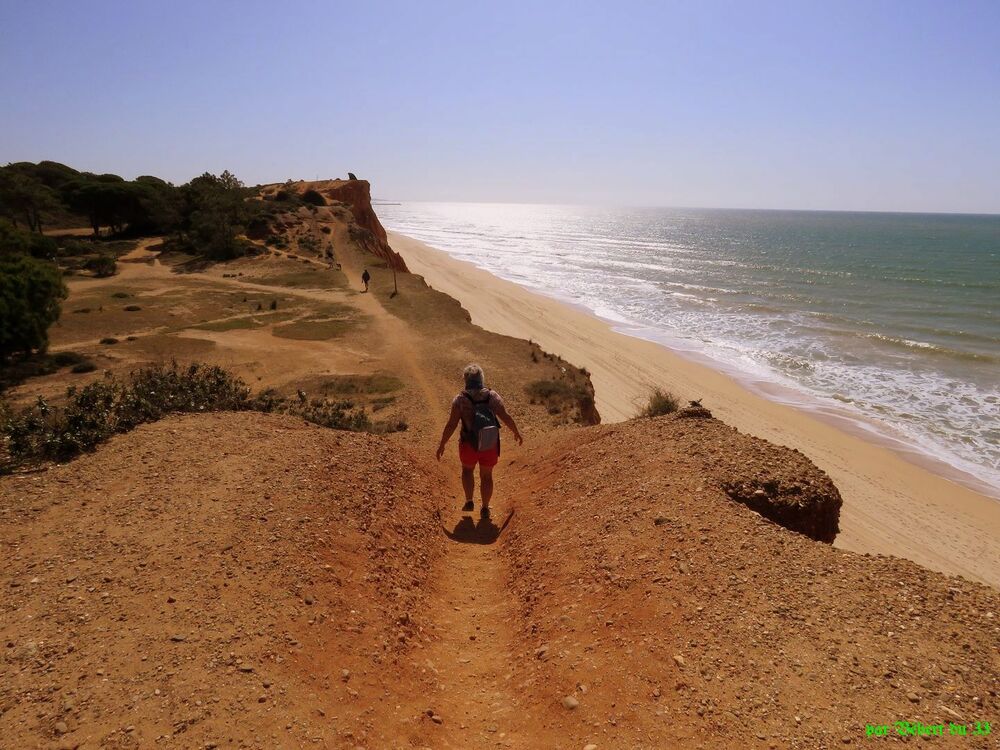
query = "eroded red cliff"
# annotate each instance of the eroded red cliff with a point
(355, 195)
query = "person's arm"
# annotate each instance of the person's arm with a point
(507, 419)
(449, 429)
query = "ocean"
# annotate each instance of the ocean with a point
(891, 320)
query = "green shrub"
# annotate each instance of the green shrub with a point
(313, 198)
(660, 402)
(340, 415)
(547, 390)
(15, 241)
(66, 359)
(36, 365)
(71, 247)
(102, 409)
(102, 266)
(99, 410)
(30, 294)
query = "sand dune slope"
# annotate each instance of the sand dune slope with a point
(237, 579)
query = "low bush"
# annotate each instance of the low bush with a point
(36, 365)
(83, 367)
(67, 359)
(102, 409)
(660, 402)
(547, 390)
(340, 415)
(132, 308)
(110, 406)
(313, 198)
(102, 266)
(109, 340)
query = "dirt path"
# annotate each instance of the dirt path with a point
(471, 612)
(471, 656)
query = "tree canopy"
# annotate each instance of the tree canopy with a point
(206, 215)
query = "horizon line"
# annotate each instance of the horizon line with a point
(400, 201)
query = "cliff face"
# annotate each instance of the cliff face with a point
(356, 196)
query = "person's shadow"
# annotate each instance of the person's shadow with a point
(467, 531)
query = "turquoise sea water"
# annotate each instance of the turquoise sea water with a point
(894, 318)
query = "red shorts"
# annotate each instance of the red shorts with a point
(469, 456)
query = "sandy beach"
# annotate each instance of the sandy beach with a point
(891, 506)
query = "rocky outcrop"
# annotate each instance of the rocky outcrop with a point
(779, 483)
(799, 505)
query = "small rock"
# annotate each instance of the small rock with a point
(591, 746)
(308, 599)
(61, 727)
(952, 713)
(178, 638)
(680, 660)
(437, 719)
(345, 674)
(170, 600)
(570, 702)
(913, 698)
(658, 521)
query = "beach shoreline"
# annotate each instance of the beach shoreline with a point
(892, 505)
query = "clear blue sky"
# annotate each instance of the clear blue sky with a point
(839, 105)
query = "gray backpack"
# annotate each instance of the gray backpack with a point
(484, 434)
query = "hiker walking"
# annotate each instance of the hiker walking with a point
(478, 409)
(366, 277)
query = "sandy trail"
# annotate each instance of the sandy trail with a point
(470, 656)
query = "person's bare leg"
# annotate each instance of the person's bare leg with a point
(468, 482)
(486, 484)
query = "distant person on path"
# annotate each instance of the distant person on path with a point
(366, 277)
(478, 410)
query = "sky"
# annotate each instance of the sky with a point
(814, 105)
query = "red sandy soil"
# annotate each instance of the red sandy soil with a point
(252, 581)
(207, 580)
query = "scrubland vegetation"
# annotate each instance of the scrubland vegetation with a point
(94, 413)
